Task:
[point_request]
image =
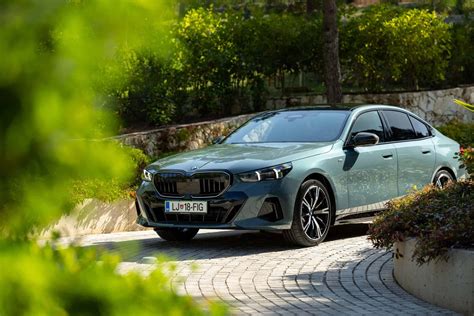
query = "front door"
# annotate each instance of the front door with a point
(371, 170)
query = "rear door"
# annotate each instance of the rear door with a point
(412, 139)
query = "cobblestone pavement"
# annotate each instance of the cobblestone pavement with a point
(256, 273)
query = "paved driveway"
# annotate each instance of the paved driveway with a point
(256, 273)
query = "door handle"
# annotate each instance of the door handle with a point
(387, 156)
(426, 151)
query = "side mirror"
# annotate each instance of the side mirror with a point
(217, 140)
(364, 139)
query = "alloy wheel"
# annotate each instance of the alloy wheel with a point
(442, 180)
(315, 216)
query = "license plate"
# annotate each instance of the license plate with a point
(193, 207)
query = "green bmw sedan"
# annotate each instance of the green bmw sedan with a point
(296, 170)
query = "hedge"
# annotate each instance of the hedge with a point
(439, 219)
(223, 62)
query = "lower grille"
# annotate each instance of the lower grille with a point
(202, 184)
(215, 215)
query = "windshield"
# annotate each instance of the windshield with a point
(291, 126)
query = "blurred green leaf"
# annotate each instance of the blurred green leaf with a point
(56, 57)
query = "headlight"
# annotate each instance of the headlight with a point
(270, 173)
(147, 175)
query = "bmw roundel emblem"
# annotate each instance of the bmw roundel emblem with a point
(194, 168)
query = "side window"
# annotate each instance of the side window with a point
(368, 122)
(400, 125)
(421, 130)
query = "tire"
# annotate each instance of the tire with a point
(311, 218)
(442, 178)
(177, 234)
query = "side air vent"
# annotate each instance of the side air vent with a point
(271, 210)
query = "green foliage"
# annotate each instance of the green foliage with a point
(206, 56)
(50, 104)
(55, 56)
(139, 161)
(388, 45)
(363, 46)
(461, 64)
(418, 48)
(219, 65)
(466, 157)
(461, 132)
(465, 105)
(51, 281)
(233, 61)
(438, 219)
(183, 135)
(150, 95)
(228, 61)
(114, 188)
(104, 190)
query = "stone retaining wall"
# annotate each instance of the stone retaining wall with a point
(436, 107)
(182, 137)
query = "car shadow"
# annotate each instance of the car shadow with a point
(219, 244)
(347, 231)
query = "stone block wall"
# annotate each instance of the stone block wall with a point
(437, 107)
(182, 137)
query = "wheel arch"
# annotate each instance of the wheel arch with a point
(446, 168)
(325, 180)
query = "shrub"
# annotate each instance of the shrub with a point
(225, 62)
(461, 63)
(78, 281)
(50, 53)
(226, 56)
(139, 160)
(150, 94)
(466, 157)
(103, 190)
(110, 189)
(461, 132)
(418, 48)
(219, 65)
(364, 45)
(438, 219)
(386, 45)
(206, 56)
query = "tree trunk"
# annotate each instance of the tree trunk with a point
(310, 6)
(332, 69)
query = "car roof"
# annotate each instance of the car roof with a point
(351, 107)
(338, 107)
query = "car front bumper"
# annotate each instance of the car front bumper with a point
(266, 205)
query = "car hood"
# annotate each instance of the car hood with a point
(240, 157)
